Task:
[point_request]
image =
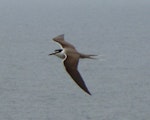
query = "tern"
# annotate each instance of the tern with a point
(71, 57)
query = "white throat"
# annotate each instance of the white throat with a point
(60, 55)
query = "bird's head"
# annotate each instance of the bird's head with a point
(59, 53)
(56, 51)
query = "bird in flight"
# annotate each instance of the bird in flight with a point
(71, 57)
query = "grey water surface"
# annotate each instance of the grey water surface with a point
(35, 86)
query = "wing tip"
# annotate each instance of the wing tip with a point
(59, 37)
(89, 93)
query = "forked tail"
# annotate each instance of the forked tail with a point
(90, 56)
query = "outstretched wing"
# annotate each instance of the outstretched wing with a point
(62, 42)
(71, 63)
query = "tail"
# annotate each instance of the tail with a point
(87, 56)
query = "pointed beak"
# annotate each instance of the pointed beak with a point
(52, 54)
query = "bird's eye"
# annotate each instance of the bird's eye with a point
(58, 50)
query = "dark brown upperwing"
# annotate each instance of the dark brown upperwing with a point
(62, 42)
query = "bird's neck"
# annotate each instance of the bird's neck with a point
(60, 55)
